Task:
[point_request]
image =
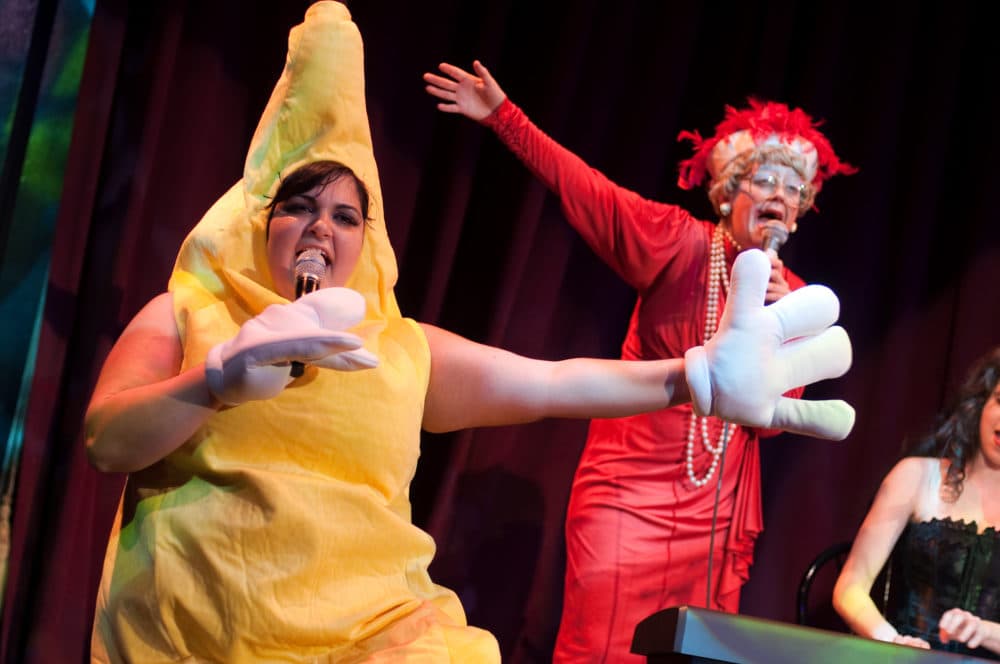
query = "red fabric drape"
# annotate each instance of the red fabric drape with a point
(170, 96)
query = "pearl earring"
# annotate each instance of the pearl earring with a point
(794, 227)
(725, 209)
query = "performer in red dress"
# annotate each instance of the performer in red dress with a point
(639, 528)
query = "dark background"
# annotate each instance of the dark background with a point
(169, 99)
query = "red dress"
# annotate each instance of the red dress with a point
(637, 530)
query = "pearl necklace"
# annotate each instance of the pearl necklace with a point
(716, 275)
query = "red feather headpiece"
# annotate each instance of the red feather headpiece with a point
(762, 123)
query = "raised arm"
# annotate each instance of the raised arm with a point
(894, 505)
(633, 235)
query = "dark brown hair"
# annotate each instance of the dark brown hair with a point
(956, 436)
(312, 175)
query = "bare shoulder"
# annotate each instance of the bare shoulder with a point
(158, 313)
(912, 471)
(440, 342)
(153, 331)
(435, 334)
(908, 477)
(148, 349)
(914, 468)
(447, 346)
(455, 381)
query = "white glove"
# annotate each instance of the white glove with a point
(760, 352)
(256, 363)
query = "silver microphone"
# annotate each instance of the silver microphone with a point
(310, 266)
(775, 235)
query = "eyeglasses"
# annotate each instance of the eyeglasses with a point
(764, 184)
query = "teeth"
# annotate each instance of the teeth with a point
(310, 263)
(312, 254)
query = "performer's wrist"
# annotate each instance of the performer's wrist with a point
(500, 115)
(884, 632)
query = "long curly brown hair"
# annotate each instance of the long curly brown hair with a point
(956, 435)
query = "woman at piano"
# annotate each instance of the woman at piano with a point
(936, 513)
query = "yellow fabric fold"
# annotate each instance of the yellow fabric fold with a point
(281, 531)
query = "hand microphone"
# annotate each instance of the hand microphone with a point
(774, 236)
(310, 266)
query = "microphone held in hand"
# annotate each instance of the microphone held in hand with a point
(775, 235)
(310, 266)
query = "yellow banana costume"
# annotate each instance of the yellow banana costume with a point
(281, 530)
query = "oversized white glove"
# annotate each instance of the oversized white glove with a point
(760, 352)
(256, 363)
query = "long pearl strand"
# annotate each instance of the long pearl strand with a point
(716, 275)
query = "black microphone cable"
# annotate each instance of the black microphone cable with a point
(715, 514)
